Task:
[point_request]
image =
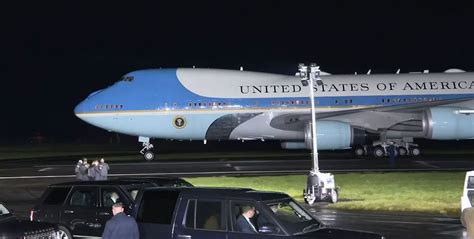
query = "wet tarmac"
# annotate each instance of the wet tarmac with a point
(23, 183)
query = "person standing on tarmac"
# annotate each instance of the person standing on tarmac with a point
(83, 168)
(391, 154)
(120, 225)
(77, 171)
(93, 170)
(104, 169)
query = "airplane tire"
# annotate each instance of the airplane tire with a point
(149, 155)
(402, 151)
(378, 152)
(359, 151)
(415, 151)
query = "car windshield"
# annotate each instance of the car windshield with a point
(470, 182)
(3, 210)
(293, 217)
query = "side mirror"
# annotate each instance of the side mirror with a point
(268, 228)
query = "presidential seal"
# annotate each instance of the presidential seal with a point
(179, 122)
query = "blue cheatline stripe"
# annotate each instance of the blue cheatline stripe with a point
(281, 103)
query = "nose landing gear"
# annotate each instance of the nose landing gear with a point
(148, 155)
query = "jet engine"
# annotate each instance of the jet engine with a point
(337, 135)
(448, 123)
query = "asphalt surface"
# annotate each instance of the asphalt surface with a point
(23, 181)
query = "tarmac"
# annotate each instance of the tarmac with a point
(23, 183)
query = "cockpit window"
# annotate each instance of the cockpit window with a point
(127, 78)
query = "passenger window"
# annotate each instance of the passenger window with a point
(157, 207)
(133, 193)
(205, 215)
(241, 224)
(83, 198)
(56, 196)
(110, 196)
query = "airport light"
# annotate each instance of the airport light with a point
(319, 186)
(308, 76)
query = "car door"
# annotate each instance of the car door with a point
(203, 218)
(79, 212)
(108, 196)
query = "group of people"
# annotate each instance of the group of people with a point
(96, 171)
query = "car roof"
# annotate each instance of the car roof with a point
(158, 180)
(231, 193)
(101, 183)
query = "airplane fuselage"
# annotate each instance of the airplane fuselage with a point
(212, 104)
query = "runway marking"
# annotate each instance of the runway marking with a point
(263, 172)
(181, 163)
(426, 164)
(44, 169)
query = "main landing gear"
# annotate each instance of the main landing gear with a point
(148, 155)
(378, 151)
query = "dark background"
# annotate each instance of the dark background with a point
(53, 54)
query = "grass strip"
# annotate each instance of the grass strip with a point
(416, 192)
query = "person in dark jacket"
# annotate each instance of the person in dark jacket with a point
(391, 155)
(243, 221)
(77, 170)
(120, 225)
(104, 169)
(83, 168)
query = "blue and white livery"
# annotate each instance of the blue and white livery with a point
(365, 112)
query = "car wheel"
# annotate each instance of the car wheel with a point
(64, 233)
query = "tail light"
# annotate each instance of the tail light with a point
(32, 214)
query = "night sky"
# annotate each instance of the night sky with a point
(53, 54)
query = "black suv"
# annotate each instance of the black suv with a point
(160, 181)
(209, 213)
(82, 208)
(11, 227)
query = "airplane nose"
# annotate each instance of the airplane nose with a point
(79, 109)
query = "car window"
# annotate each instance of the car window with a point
(84, 197)
(206, 215)
(289, 212)
(470, 182)
(110, 196)
(157, 207)
(261, 221)
(183, 183)
(133, 193)
(241, 223)
(56, 196)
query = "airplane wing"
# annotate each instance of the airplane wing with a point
(371, 118)
(413, 107)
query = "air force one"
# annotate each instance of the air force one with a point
(365, 112)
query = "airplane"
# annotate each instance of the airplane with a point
(365, 112)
